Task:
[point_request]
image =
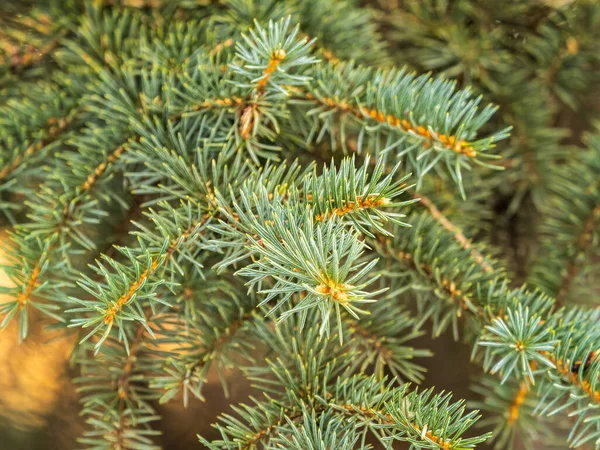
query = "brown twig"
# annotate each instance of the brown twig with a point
(573, 267)
(53, 133)
(455, 230)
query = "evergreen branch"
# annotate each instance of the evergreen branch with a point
(569, 225)
(403, 125)
(566, 370)
(391, 106)
(51, 135)
(422, 419)
(116, 304)
(117, 407)
(520, 339)
(269, 54)
(268, 430)
(320, 260)
(519, 329)
(455, 230)
(317, 431)
(304, 254)
(75, 203)
(101, 168)
(429, 425)
(37, 121)
(508, 410)
(276, 58)
(381, 417)
(351, 193)
(51, 236)
(583, 240)
(381, 339)
(258, 423)
(205, 342)
(440, 131)
(26, 276)
(65, 217)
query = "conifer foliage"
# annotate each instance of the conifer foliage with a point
(268, 186)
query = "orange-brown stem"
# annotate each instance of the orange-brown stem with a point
(276, 58)
(247, 121)
(368, 202)
(456, 145)
(101, 168)
(515, 407)
(111, 312)
(253, 440)
(24, 296)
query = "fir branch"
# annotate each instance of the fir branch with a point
(324, 258)
(421, 419)
(120, 419)
(58, 126)
(101, 168)
(53, 247)
(427, 137)
(359, 94)
(383, 338)
(571, 220)
(269, 53)
(520, 328)
(304, 254)
(27, 273)
(206, 342)
(508, 410)
(351, 193)
(76, 202)
(583, 241)
(39, 120)
(114, 305)
(455, 230)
